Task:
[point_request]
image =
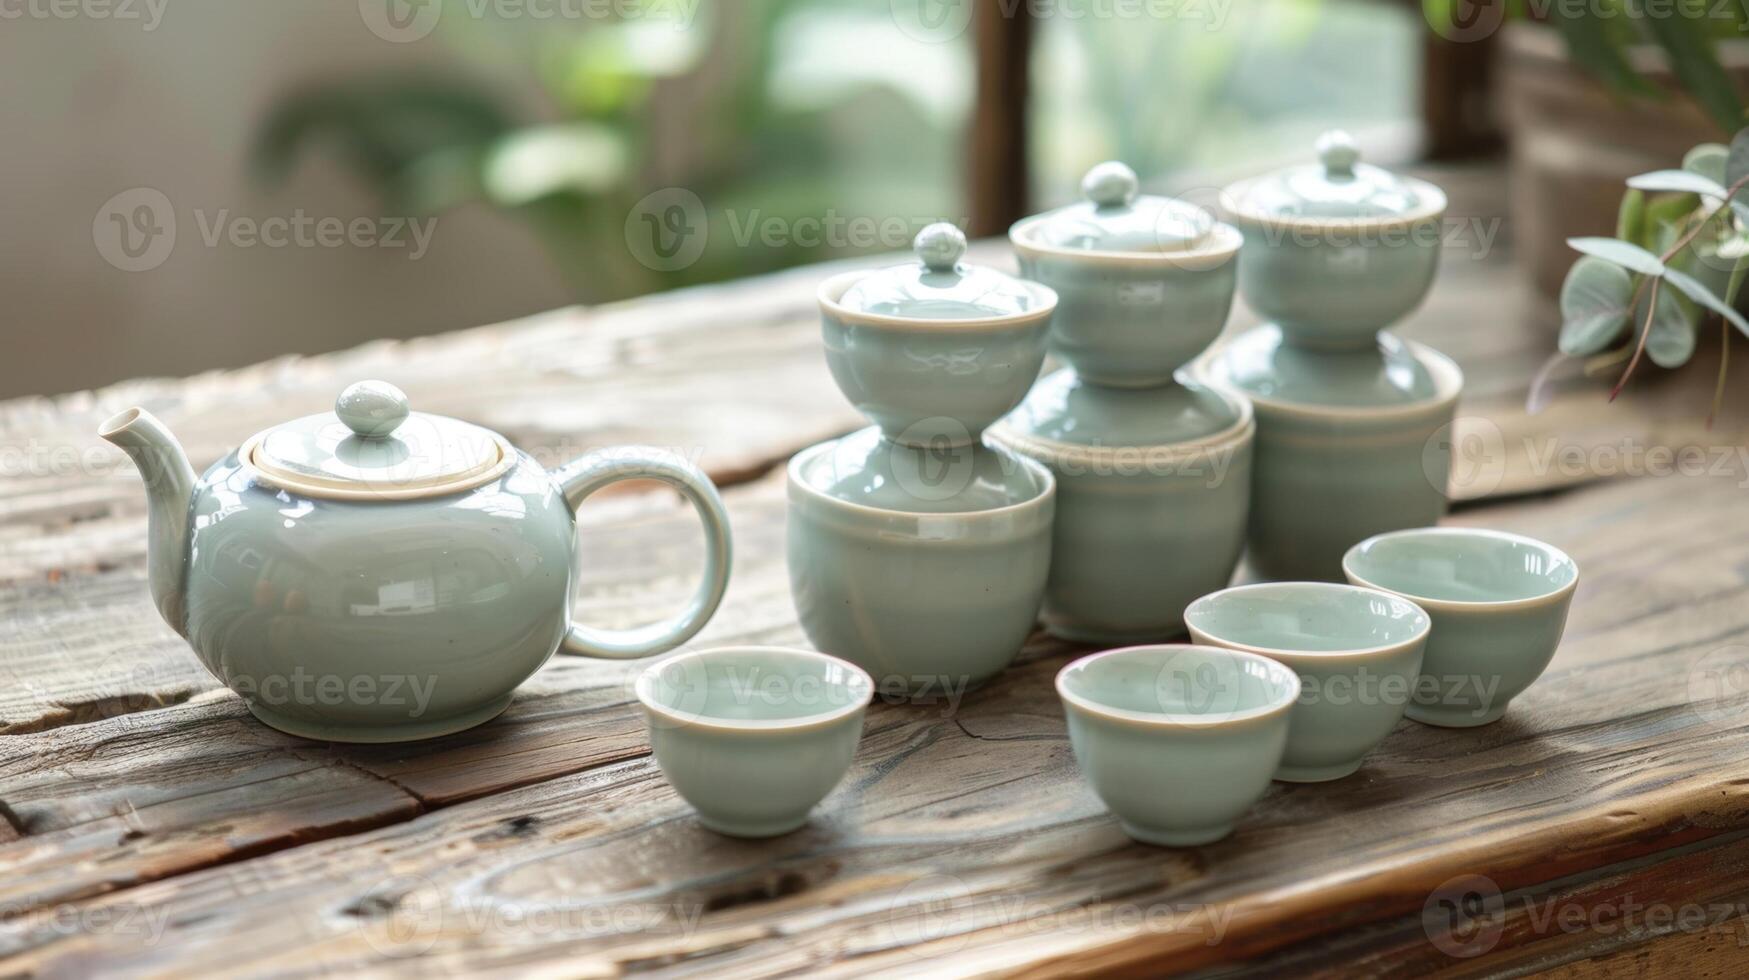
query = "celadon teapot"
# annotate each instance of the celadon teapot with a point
(378, 575)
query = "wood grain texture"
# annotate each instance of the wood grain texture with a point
(147, 825)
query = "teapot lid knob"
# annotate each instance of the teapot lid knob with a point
(1338, 154)
(1110, 184)
(371, 409)
(940, 246)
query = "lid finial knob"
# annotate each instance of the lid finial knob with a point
(940, 246)
(371, 409)
(1110, 184)
(1337, 152)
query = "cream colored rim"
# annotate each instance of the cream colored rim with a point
(800, 484)
(1215, 248)
(647, 679)
(1463, 605)
(1286, 654)
(1230, 437)
(1432, 207)
(479, 475)
(1448, 381)
(833, 289)
(1166, 719)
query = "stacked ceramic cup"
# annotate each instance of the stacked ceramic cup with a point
(1348, 416)
(1153, 470)
(916, 551)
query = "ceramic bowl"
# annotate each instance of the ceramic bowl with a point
(1357, 653)
(1499, 603)
(1347, 445)
(927, 573)
(1334, 280)
(933, 381)
(1153, 489)
(754, 737)
(1177, 740)
(1131, 319)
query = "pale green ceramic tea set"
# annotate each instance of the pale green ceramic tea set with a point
(1112, 499)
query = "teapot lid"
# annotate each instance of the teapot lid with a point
(1337, 186)
(938, 286)
(371, 447)
(1116, 218)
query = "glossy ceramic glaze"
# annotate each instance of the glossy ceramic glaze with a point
(754, 737)
(1362, 458)
(928, 595)
(1499, 604)
(1331, 268)
(1357, 653)
(1177, 740)
(365, 619)
(1131, 319)
(1153, 489)
(933, 351)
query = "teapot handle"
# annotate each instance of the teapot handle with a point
(598, 469)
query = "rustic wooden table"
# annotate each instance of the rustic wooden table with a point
(148, 825)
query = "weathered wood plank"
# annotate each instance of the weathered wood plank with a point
(969, 831)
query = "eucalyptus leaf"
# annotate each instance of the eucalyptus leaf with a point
(1679, 181)
(1736, 283)
(1630, 218)
(1624, 254)
(1595, 304)
(1708, 160)
(1671, 342)
(1737, 164)
(1697, 291)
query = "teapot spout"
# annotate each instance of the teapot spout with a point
(169, 496)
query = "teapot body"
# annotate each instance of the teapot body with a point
(356, 620)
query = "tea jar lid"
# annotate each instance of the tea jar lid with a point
(1337, 186)
(1066, 411)
(938, 286)
(1389, 374)
(371, 447)
(1115, 217)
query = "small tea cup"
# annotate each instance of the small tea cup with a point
(1357, 652)
(1177, 740)
(754, 737)
(1499, 604)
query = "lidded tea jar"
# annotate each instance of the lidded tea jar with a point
(1144, 283)
(916, 551)
(1153, 470)
(1349, 417)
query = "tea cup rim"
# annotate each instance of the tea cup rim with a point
(1167, 720)
(833, 288)
(648, 676)
(1218, 246)
(1448, 386)
(1432, 208)
(1493, 605)
(1039, 500)
(1424, 628)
